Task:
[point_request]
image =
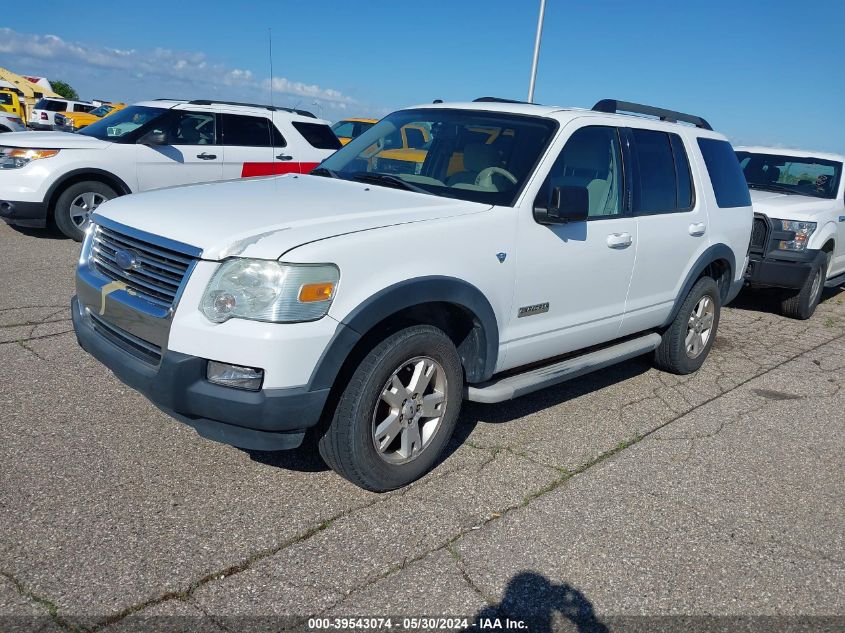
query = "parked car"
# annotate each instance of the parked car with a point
(43, 114)
(11, 103)
(64, 177)
(798, 242)
(348, 129)
(367, 305)
(11, 122)
(75, 121)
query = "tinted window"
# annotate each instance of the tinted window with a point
(5, 98)
(81, 107)
(590, 159)
(318, 135)
(51, 106)
(188, 128)
(416, 139)
(682, 173)
(250, 131)
(657, 191)
(725, 173)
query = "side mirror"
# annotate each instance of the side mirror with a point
(567, 204)
(153, 137)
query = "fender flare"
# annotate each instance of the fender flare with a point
(480, 364)
(712, 254)
(98, 174)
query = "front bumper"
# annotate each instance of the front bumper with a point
(782, 270)
(19, 213)
(270, 419)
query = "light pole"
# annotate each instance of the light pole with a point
(536, 51)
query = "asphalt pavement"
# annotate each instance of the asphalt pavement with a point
(628, 498)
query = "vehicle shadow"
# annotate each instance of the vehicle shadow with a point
(307, 459)
(539, 604)
(49, 233)
(768, 299)
(473, 413)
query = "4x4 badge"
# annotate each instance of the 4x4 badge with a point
(501, 257)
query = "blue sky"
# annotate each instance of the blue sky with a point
(768, 72)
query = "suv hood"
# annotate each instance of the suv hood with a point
(52, 140)
(788, 206)
(266, 217)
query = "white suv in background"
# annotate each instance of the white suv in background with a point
(150, 145)
(43, 114)
(798, 241)
(530, 245)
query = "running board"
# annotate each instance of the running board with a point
(833, 282)
(510, 387)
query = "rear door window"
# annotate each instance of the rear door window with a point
(318, 135)
(250, 131)
(656, 191)
(725, 173)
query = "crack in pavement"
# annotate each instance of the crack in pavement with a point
(49, 606)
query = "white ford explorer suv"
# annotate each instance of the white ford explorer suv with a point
(64, 177)
(798, 240)
(531, 245)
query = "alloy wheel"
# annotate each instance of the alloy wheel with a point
(699, 326)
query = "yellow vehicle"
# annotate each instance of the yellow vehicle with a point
(73, 121)
(10, 102)
(347, 129)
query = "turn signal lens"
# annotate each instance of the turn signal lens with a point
(316, 292)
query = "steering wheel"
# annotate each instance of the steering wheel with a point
(485, 176)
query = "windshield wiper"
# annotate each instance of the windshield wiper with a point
(777, 188)
(388, 181)
(324, 171)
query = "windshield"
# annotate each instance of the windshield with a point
(468, 154)
(791, 174)
(121, 125)
(102, 111)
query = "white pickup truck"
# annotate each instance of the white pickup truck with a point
(798, 241)
(531, 244)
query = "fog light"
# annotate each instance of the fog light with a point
(234, 376)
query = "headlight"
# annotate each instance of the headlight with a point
(265, 290)
(17, 157)
(802, 230)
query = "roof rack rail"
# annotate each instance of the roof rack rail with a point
(497, 100)
(252, 105)
(614, 107)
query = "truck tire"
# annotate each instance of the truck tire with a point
(687, 341)
(801, 303)
(397, 411)
(76, 204)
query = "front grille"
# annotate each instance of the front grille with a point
(156, 274)
(759, 234)
(139, 348)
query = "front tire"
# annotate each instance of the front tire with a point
(397, 412)
(76, 204)
(687, 341)
(802, 303)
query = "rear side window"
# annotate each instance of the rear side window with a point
(51, 106)
(729, 183)
(82, 107)
(664, 183)
(318, 135)
(250, 131)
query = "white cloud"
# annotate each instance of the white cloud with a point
(161, 68)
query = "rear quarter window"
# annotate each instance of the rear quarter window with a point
(318, 135)
(725, 173)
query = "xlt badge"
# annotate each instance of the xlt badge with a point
(538, 308)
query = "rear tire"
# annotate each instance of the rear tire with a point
(687, 341)
(75, 205)
(802, 303)
(397, 412)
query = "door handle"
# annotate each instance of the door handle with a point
(205, 156)
(619, 240)
(696, 229)
(284, 157)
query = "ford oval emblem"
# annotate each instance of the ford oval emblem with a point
(126, 259)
